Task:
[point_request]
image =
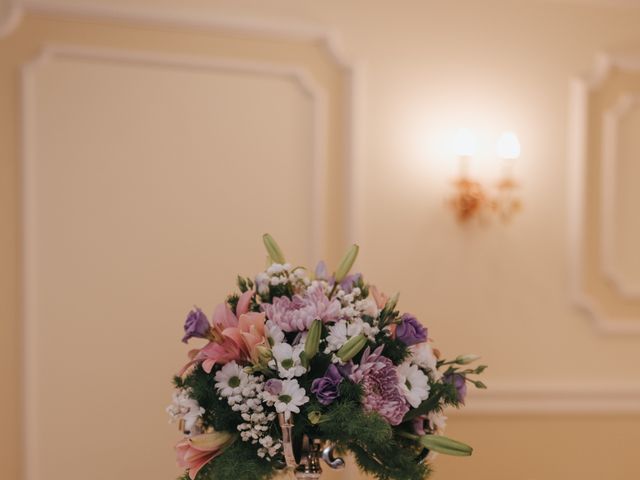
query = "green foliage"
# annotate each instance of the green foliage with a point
(394, 349)
(232, 301)
(219, 414)
(244, 284)
(346, 420)
(282, 290)
(440, 394)
(238, 462)
(350, 391)
(371, 439)
(395, 460)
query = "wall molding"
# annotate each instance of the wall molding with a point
(10, 20)
(579, 91)
(610, 141)
(553, 399)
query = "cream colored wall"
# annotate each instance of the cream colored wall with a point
(429, 67)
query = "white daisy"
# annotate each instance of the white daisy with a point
(275, 334)
(339, 333)
(423, 356)
(290, 398)
(231, 379)
(286, 359)
(183, 407)
(414, 384)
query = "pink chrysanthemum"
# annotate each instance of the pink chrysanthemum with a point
(297, 315)
(379, 380)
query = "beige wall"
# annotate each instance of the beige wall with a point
(564, 398)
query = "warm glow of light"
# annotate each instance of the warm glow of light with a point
(465, 143)
(508, 146)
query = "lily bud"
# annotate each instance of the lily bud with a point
(391, 304)
(346, 263)
(273, 249)
(466, 359)
(445, 445)
(264, 354)
(312, 342)
(352, 347)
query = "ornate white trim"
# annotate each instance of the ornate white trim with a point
(577, 155)
(294, 31)
(609, 178)
(179, 19)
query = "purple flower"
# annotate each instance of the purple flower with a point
(196, 325)
(326, 388)
(273, 386)
(379, 380)
(460, 382)
(346, 369)
(349, 281)
(410, 331)
(417, 425)
(321, 271)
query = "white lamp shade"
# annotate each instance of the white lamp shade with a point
(508, 146)
(465, 143)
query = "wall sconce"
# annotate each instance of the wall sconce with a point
(471, 199)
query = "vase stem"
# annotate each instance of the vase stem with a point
(286, 425)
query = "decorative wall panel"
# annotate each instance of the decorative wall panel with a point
(605, 225)
(149, 155)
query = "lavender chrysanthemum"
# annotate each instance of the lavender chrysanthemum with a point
(296, 315)
(379, 380)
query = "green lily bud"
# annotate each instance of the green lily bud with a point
(273, 249)
(314, 417)
(304, 360)
(352, 347)
(466, 359)
(445, 445)
(346, 263)
(312, 342)
(478, 384)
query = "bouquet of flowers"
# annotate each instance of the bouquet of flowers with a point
(298, 365)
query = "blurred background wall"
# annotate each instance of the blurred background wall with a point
(147, 144)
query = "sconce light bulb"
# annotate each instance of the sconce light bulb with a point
(508, 146)
(465, 143)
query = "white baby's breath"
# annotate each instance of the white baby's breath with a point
(183, 407)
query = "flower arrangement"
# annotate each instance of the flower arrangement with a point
(296, 361)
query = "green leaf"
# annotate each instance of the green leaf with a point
(445, 445)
